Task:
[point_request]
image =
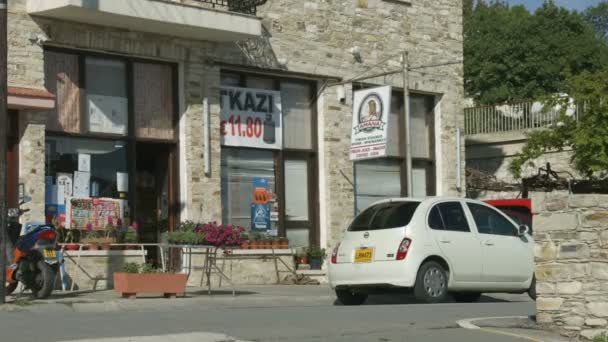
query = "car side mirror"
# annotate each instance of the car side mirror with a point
(523, 229)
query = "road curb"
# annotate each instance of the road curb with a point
(470, 325)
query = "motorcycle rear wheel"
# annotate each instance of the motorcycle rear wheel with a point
(45, 281)
(11, 287)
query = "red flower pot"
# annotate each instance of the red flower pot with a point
(72, 247)
(169, 284)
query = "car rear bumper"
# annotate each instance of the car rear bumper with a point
(388, 273)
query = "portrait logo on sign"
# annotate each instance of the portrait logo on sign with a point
(370, 114)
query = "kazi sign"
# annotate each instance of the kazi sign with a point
(251, 118)
(371, 112)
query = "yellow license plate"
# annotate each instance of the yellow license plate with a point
(49, 253)
(364, 255)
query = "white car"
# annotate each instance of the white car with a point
(436, 247)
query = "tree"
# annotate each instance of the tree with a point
(587, 136)
(597, 16)
(511, 54)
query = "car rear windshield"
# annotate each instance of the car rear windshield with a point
(384, 216)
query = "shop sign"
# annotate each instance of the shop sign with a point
(251, 118)
(371, 112)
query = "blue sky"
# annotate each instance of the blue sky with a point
(571, 4)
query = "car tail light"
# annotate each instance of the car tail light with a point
(334, 254)
(403, 248)
(47, 235)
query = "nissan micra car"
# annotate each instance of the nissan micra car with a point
(435, 247)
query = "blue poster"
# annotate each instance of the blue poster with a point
(260, 217)
(260, 183)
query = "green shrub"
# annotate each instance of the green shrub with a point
(130, 267)
(601, 338)
(148, 268)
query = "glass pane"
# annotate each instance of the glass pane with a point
(297, 115)
(376, 180)
(419, 112)
(395, 123)
(230, 80)
(296, 190)
(256, 82)
(453, 217)
(435, 221)
(384, 216)
(298, 237)
(153, 100)
(489, 221)
(106, 92)
(239, 168)
(419, 181)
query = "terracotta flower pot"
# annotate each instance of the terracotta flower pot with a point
(169, 284)
(72, 247)
(303, 260)
(275, 245)
(245, 245)
(284, 244)
(93, 247)
(254, 245)
(105, 246)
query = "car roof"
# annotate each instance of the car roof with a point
(425, 200)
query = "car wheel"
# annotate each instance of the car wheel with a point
(532, 289)
(466, 297)
(347, 297)
(431, 283)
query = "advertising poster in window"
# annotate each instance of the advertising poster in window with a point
(95, 211)
(107, 114)
(260, 207)
(251, 118)
(371, 112)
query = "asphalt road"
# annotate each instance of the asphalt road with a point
(258, 314)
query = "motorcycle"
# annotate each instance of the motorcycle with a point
(35, 263)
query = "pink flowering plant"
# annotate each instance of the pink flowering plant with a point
(211, 233)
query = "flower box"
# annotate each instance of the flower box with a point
(128, 285)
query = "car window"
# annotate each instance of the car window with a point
(520, 215)
(384, 216)
(435, 221)
(453, 217)
(489, 221)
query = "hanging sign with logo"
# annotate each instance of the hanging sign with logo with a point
(371, 112)
(251, 118)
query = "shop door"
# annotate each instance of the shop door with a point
(300, 208)
(155, 209)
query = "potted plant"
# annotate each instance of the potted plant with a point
(91, 237)
(275, 243)
(71, 239)
(135, 279)
(283, 243)
(255, 241)
(245, 241)
(301, 258)
(315, 257)
(130, 236)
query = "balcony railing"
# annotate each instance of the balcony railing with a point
(514, 117)
(238, 6)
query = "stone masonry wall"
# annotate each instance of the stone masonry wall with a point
(571, 234)
(313, 37)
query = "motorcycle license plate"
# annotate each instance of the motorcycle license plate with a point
(49, 253)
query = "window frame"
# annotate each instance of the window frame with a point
(431, 162)
(130, 138)
(280, 156)
(444, 229)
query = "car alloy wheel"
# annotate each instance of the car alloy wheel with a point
(434, 282)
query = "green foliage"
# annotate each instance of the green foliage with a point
(601, 338)
(130, 236)
(130, 267)
(597, 16)
(588, 137)
(315, 252)
(511, 54)
(148, 268)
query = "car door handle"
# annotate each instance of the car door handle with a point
(489, 243)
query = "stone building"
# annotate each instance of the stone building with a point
(139, 87)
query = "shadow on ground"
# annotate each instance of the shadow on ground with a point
(401, 299)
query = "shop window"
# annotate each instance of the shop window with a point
(61, 71)
(153, 101)
(375, 180)
(286, 168)
(106, 96)
(240, 169)
(297, 115)
(105, 160)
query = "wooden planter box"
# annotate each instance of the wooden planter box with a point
(128, 285)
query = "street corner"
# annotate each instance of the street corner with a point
(518, 327)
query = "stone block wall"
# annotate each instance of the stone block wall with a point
(571, 234)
